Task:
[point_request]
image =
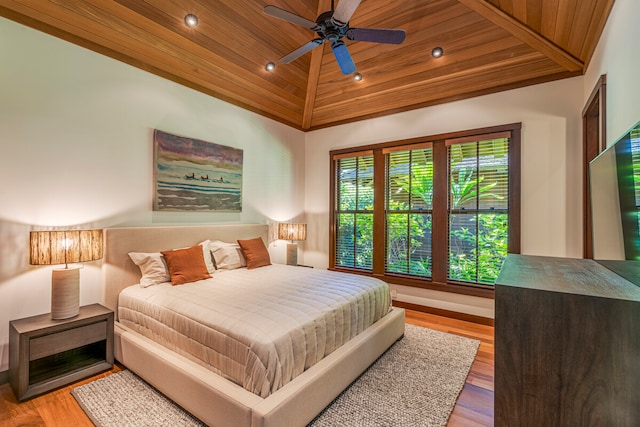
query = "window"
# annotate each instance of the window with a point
(408, 207)
(439, 212)
(478, 209)
(354, 217)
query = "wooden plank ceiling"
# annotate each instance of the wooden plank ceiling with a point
(489, 45)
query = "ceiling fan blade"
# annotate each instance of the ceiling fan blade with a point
(343, 57)
(344, 11)
(300, 51)
(376, 35)
(285, 15)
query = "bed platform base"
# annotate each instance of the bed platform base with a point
(219, 402)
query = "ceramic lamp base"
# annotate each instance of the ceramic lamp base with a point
(292, 254)
(65, 293)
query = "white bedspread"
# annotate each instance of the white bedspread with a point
(259, 328)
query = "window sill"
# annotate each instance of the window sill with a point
(457, 288)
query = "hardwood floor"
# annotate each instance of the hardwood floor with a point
(474, 406)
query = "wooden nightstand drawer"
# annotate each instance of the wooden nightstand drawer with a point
(67, 340)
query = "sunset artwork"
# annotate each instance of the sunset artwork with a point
(196, 176)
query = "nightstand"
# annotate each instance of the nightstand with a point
(45, 354)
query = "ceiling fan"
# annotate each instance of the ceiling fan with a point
(332, 26)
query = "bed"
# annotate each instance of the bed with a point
(208, 394)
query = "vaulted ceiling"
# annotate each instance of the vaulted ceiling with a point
(489, 46)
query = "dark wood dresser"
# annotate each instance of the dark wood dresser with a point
(567, 344)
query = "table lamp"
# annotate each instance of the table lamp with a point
(292, 232)
(64, 247)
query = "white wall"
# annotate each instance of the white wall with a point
(76, 149)
(551, 171)
(618, 56)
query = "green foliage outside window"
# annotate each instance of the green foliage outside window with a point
(481, 263)
(409, 204)
(407, 235)
(354, 247)
(464, 188)
(478, 222)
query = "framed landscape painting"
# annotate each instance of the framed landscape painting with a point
(196, 176)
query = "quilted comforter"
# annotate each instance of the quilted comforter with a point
(258, 328)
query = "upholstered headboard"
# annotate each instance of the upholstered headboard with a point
(118, 271)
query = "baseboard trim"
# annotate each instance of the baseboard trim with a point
(445, 313)
(4, 377)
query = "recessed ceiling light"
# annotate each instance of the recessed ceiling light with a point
(437, 52)
(357, 76)
(270, 66)
(190, 20)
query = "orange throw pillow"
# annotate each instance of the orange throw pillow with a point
(255, 252)
(186, 265)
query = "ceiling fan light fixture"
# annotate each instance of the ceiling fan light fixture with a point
(190, 20)
(437, 52)
(357, 76)
(270, 66)
(332, 26)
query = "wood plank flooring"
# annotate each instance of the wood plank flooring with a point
(474, 406)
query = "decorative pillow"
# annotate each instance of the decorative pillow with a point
(186, 265)
(152, 266)
(255, 252)
(208, 257)
(227, 256)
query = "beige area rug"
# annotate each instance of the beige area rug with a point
(415, 383)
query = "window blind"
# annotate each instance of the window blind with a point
(354, 215)
(409, 209)
(478, 209)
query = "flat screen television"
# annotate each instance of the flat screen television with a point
(615, 203)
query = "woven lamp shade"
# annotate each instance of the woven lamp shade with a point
(63, 247)
(292, 231)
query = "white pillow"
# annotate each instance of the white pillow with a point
(152, 266)
(208, 257)
(227, 255)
